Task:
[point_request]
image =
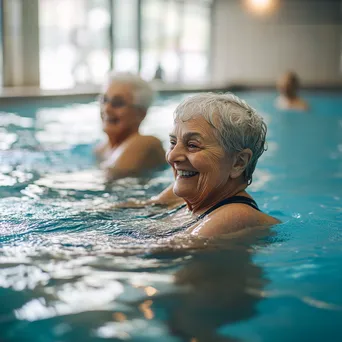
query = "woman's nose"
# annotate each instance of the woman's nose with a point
(176, 154)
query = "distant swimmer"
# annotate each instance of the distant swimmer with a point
(288, 86)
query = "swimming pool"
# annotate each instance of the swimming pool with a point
(72, 271)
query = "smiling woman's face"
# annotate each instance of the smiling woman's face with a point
(201, 166)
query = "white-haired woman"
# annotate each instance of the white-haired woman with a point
(214, 148)
(124, 104)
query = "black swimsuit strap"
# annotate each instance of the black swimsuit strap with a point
(231, 200)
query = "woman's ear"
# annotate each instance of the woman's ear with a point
(241, 162)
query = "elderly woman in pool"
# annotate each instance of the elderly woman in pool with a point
(214, 147)
(124, 105)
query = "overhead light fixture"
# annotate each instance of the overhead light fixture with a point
(261, 6)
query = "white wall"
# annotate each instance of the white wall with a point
(302, 35)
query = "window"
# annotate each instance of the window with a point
(175, 40)
(195, 42)
(74, 42)
(125, 35)
(81, 39)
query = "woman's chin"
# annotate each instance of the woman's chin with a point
(183, 192)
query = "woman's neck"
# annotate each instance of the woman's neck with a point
(201, 206)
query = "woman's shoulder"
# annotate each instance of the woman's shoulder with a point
(100, 149)
(240, 214)
(151, 139)
(298, 104)
(232, 218)
(146, 142)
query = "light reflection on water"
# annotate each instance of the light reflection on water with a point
(72, 270)
(147, 284)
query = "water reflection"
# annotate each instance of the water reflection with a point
(215, 286)
(200, 286)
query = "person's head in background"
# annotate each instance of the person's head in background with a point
(124, 103)
(288, 86)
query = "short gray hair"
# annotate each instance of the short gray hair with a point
(143, 94)
(236, 124)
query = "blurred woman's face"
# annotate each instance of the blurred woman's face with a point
(120, 117)
(201, 166)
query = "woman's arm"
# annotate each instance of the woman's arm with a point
(166, 198)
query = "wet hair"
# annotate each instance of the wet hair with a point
(237, 125)
(143, 94)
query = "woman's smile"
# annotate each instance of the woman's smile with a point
(186, 174)
(113, 120)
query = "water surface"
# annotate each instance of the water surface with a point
(71, 270)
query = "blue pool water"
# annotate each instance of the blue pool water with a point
(72, 270)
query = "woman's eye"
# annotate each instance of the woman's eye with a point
(192, 146)
(172, 143)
